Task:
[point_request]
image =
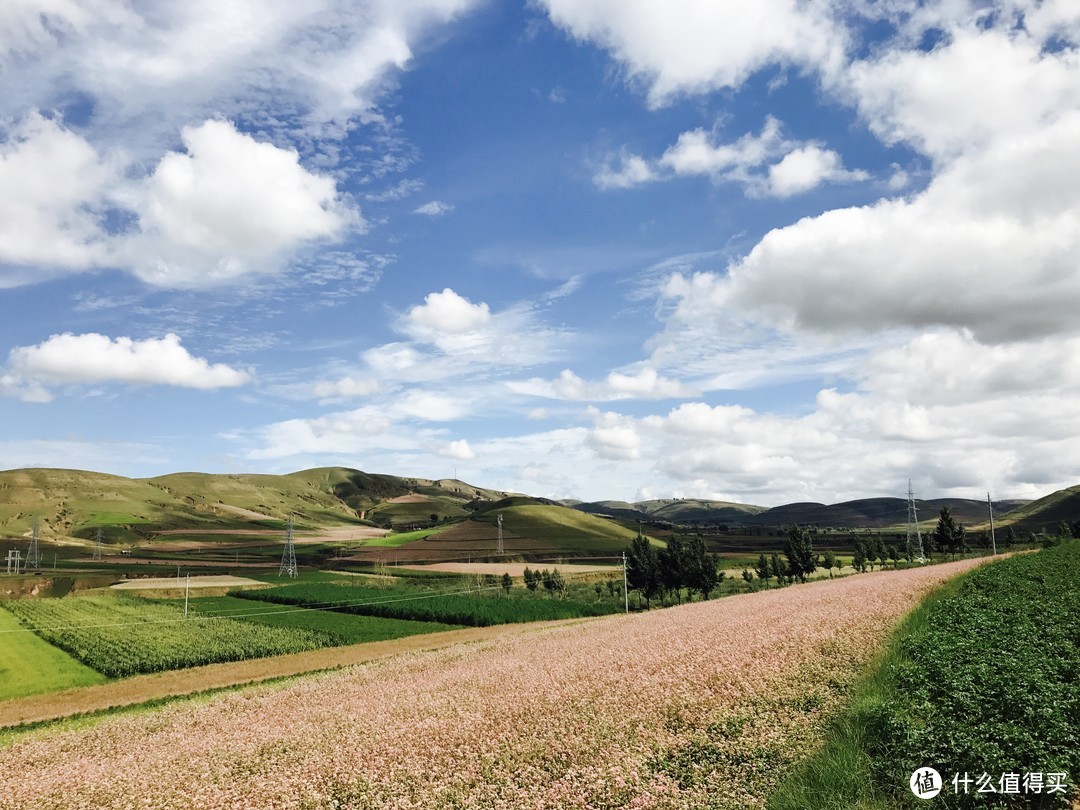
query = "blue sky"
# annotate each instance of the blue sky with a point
(578, 248)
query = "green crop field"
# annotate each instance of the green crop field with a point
(401, 538)
(982, 678)
(119, 635)
(452, 607)
(341, 628)
(31, 666)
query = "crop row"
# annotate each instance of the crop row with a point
(342, 628)
(989, 683)
(430, 606)
(121, 636)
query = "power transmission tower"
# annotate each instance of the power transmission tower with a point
(97, 547)
(288, 558)
(498, 522)
(13, 560)
(990, 508)
(33, 554)
(913, 525)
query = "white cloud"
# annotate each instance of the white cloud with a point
(229, 206)
(693, 46)
(153, 68)
(446, 313)
(435, 208)
(458, 449)
(344, 388)
(979, 88)
(645, 384)
(806, 168)
(53, 189)
(93, 358)
(632, 170)
(613, 437)
(695, 152)
(746, 160)
(990, 245)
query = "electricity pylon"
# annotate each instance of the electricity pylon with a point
(288, 558)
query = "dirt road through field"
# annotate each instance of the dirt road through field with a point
(142, 688)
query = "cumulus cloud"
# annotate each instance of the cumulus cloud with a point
(435, 208)
(53, 196)
(990, 245)
(807, 168)
(645, 384)
(228, 206)
(613, 437)
(458, 449)
(694, 46)
(446, 313)
(766, 163)
(92, 358)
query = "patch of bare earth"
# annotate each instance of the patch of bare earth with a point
(707, 704)
(157, 583)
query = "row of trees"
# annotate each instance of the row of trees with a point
(683, 564)
(553, 581)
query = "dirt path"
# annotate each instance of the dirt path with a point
(142, 688)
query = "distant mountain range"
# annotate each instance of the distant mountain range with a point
(865, 512)
(76, 504)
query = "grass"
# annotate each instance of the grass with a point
(401, 538)
(31, 666)
(982, 677)
(561, 527)
(342, 628)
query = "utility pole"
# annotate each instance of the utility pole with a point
(625, 593)
(990, 508)
(187, 588)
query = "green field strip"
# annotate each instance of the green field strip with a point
(344, 628)
(395, 540)
(30, 665)
(980, 678)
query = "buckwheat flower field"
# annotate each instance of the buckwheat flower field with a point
(704, 705)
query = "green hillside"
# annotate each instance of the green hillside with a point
(77, 503)
(1046, 512)
(558, 527)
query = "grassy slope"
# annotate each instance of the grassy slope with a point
(561, 528)
(418, 512)
(1049, 511)
(31, 666)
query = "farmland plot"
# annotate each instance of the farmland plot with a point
(703, 705)
(121, 636)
